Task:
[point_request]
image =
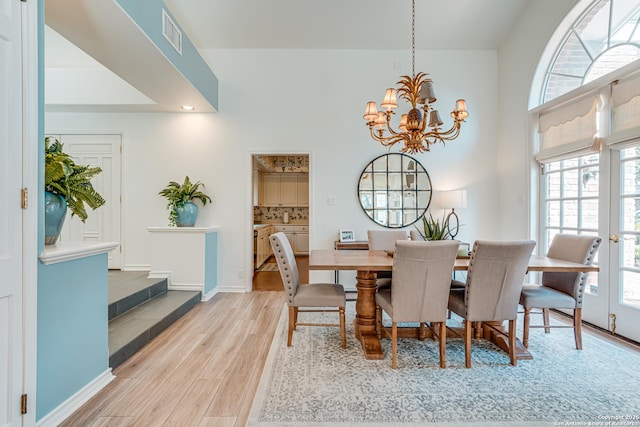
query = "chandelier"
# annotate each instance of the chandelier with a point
(412, 130)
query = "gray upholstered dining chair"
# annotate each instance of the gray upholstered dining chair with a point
(384, 240)
(494, 281)
(320, 296)
(420, 291)
(561, 290)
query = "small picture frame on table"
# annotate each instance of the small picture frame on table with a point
(347, 236)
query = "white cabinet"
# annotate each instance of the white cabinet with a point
(303, 189)
(263, 247)
(298, 236)
(285, 189)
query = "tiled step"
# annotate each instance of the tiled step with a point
(130, 289)
(132, 330)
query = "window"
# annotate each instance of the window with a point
(603, 39)
(571, 200)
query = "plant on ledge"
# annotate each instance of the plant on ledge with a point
(64, 177)
(66, 184)
(182, 211)
(434, 229)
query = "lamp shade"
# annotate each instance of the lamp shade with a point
(453, 199)
(390, 100)
(371, 112)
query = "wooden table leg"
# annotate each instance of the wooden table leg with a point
(497, 334)
(365, 321)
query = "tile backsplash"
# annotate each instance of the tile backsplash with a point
(275, 214)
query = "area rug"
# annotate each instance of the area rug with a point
(316, 382)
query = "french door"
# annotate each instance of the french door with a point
(600, 194)
(624, 242)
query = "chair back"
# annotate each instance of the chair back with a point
(575, 248)
(416, 236)
(422, 279)
(495, 278)
(384, 240)
(286, 264)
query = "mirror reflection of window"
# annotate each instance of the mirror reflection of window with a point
(394, 190)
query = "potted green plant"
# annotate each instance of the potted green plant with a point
(182, 211)
(66, 184)
(434, 229)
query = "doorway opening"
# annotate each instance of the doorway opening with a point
(280, 204)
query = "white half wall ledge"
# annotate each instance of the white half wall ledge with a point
(183, 229)
(63, 252)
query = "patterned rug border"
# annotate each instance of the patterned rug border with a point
(274, 354)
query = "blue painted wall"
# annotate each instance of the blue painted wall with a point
(148, 15)
(210, 262)
(72, 329)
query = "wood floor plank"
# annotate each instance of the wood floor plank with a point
(219, 422)
(191, 408)
(112, 422)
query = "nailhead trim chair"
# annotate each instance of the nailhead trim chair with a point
(561, 290)
(494, 281)
(384, 240)
(308, 295)
(420, 291)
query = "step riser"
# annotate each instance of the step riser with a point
(118, 356)
(122, 306)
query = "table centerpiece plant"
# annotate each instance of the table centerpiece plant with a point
(434, 229)
(182, 211)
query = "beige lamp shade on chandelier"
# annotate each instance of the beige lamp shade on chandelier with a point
(420, 127)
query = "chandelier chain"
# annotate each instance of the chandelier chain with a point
(413, 38)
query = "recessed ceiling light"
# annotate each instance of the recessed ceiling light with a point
(187, 108)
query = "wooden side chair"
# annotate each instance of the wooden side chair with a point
(320, 296)
(420, 291)
(494, 281)
(561, 290)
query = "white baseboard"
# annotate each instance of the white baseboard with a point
(173, 286)
(160, 275)
(138, 267)
(208, 296)
(82, 396)
(236, 289)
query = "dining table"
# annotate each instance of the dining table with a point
(368, 262)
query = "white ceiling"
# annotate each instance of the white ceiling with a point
(257, 24)
(345, 24)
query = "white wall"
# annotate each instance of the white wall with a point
(299, 101)
(518, 58)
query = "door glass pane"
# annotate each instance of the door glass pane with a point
(554, 184)
(631, 290)
(570, 213)
(589, 216)
(570, 183)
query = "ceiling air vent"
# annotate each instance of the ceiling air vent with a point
(171, 32)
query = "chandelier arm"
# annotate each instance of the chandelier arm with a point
(385, 141)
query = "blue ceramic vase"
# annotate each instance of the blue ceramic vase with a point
(55, 211)
(187, 215)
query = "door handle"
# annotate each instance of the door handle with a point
(614, 238)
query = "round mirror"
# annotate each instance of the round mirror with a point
(394, 190)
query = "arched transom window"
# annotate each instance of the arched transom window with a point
(604, 38)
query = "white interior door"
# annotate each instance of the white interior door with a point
(624, 243)
(11, 221)
(103, 224)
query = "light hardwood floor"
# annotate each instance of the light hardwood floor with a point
(202, 371)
